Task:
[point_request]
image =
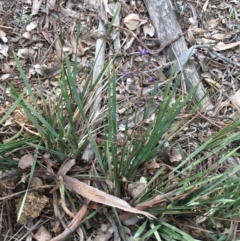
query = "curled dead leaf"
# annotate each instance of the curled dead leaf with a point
(190, 37)
(26, 53)
(235, 99)
(175, 155)
(27, 35)
(26, 161)
(220, 36)
(99, 196)
(132, 21)
(135, 188)
(213, 23)
(222, 46)
(5, 68)
(31, 26)
(42, 234)
(65, 167)
(148, 29)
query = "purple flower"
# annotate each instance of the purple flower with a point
(154, 79)
(143, 52)
(128, 74)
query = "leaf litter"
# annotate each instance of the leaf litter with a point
(32, 32)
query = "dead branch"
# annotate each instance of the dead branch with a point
(166, 24)
(98, 67)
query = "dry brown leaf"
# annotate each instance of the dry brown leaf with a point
(193, 21)
(77, 47)
(65, 167)
(49, 163)
(42, 234)
(213, 23)
(46, 35)
(3, 50)
(57, 40)
(206, 41)
(4, 77)
(2, 34)
(99, 196)
(190, 37)
(27, 35)
(132, 21)
(26, 161)
(204, 62)
(36, 6)
(222, 46)
(213, 83)
(31, 26)
(105, 3)
(5, 28)
(220, 36)
(205, 5)
(48, 71)
(235, 99)
(8, 122)
(155, 201)
(148, 29)
(26, 53)
(201, 219)
(175, 156)
(135, 188)
(153, 165)
(5, 68)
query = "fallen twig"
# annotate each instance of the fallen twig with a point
(191, 51)
(157, 51)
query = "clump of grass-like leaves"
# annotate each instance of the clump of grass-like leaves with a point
(188, 192)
